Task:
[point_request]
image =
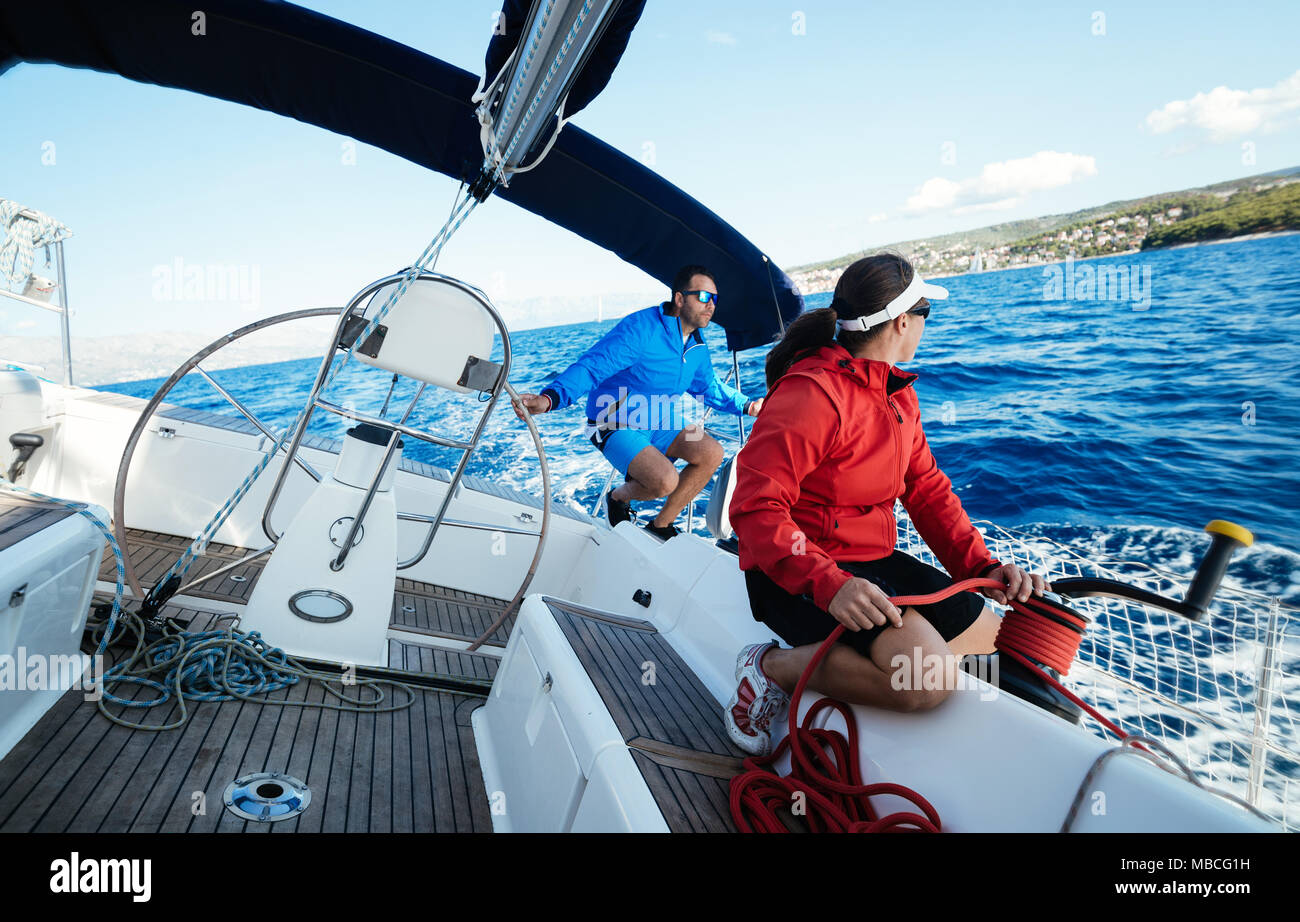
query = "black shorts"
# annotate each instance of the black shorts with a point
(798, 621)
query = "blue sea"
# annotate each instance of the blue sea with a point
(1117, 419)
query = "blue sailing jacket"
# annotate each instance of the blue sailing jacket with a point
(635, 375)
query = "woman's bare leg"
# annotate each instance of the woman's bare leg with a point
(978, 638)
(902, 673)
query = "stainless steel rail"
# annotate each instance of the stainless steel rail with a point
(119, 486)
(65, 333)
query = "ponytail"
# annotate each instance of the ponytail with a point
(809, 332)
(864, 288)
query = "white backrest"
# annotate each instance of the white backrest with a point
(433, 329)
(716, 518)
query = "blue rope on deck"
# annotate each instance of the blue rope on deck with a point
(223, 664)
(206, 666)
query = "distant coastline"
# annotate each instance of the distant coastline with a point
(1035, 265)
(1079, 259)
(1246, 208)
(1204, 243)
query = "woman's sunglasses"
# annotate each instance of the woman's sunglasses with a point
(923, 311)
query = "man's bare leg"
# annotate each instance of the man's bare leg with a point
(702, 454)
(649, 476)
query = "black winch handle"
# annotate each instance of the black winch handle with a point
(1225, 538)
(25, 443)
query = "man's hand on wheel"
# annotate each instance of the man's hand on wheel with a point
(1019, 584)
(754, 406)
(860, 604)
(533, 403)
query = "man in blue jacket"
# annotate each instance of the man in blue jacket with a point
(634, 378)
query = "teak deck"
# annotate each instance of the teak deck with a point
(414, 770)
(20, 518)
(669, 720)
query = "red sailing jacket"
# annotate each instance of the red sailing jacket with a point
(838, 440)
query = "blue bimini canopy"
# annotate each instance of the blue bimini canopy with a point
(298, 63)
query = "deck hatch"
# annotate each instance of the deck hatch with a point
(267, 797)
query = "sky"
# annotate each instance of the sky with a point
(814, 128)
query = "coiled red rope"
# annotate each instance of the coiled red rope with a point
(1026, 633)
(825, 784)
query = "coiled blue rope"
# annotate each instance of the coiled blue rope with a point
(200, 664)
(222, 664)
(213, 665)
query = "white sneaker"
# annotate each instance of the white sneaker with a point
(756, 703)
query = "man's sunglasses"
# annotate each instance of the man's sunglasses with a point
(704, 296)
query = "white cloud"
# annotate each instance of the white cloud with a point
(25, 325)
(1223, 114)
(933, 194)
(877, 218)
(1001, 185)
(720, 38)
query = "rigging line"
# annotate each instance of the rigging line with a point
(772, 287)
(460, 212)
(465, 206)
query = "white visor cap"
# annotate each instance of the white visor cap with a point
(916, 289)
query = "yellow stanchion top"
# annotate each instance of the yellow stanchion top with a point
(1232, 530)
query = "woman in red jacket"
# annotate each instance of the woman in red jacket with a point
(838, 441)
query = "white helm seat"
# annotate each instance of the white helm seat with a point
(438, 332)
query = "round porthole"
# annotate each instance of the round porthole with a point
(320, 605)
(267, 797)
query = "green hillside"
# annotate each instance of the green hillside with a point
(1246, 212)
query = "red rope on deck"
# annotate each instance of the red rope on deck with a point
(825, 784)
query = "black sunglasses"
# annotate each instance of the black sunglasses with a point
(704, 297)
(923, 311)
